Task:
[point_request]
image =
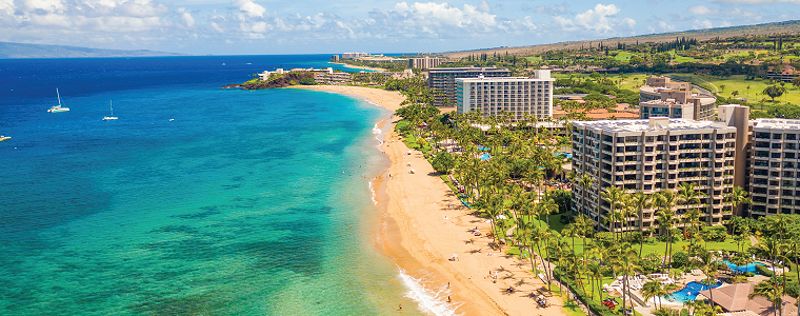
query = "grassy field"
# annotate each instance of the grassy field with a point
(630, 81)
(676, 58)
(725, 86)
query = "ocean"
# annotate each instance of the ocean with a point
(198, 200)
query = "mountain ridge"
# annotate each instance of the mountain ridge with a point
(11, 50)
(771, 28)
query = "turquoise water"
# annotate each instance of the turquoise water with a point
(747, 268)
(691, 290)
(245, 203)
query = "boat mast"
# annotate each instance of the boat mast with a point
(111, 105)
(59, 97)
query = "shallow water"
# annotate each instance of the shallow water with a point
(197, 200)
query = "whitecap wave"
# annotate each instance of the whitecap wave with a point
(378, 133)
(430, 302)
(372, 193)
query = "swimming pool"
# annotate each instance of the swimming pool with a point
(689, 293)
(750, 267)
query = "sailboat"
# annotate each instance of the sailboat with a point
(58, 108)
(111, 117)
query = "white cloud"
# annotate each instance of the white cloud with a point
(250, 8)
(759, 1)
(702, 24)
(429, 14)
(186, 17)
(700, 10)
(43, 6)
(600, 19)
(7, 7)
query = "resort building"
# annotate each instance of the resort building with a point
(515, 96)
(443, 81)
(650, 156)
(774, 173)
(661, 96)
(354, 55)
(425, 62)
(735, 299)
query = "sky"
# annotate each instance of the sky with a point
(201, 27)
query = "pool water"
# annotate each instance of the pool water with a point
(689, 293)
(747, 268)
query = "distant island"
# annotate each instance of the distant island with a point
(24, 50)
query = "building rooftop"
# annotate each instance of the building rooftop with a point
(652, 124)
(501, 79)
(736, 298)
(466, 69)
(777, 123)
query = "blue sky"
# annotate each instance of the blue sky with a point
(323, 26)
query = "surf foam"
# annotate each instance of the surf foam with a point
(430, 302)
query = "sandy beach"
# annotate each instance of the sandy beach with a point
(375, 69)
(422, 225)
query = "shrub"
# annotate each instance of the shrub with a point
(793, 289)
(680, 259)
(714, 233)
(443, 162)
(764, 270)
(596, 307)
(633, 237)
(605, 238)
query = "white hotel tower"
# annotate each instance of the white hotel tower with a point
(516, 96)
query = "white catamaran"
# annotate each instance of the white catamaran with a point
(111, 117)
(58, 108)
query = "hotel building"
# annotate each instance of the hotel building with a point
(515, 96)
(650, 156)
(425, 62)
(774, 175)
(661, 96)
(443, 81)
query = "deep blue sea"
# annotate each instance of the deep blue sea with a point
(198, 200)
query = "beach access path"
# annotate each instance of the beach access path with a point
(422, 225)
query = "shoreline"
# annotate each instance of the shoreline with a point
(375, 69)
(421, 224)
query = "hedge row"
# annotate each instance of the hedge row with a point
(596, 307)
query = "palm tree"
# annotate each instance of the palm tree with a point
(585, 181)
(626, 263)
(736, 197)
(653, 289)
(613, 195)
(771, 290)
(689, 196)
(665, 200)
(641, 201)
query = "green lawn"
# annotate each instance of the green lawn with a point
(628, 81)
(681, 59)
(623, 56)
(725, 86)
(535, 59)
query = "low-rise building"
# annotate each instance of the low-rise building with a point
(517, 97)
(443, 81)
(650, 156)
(661, 96)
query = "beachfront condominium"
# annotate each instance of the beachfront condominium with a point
(517, 97)
(774, 177)
(425, 62)
(354, 55)
(650, 156)
(661, 96)
(443, 81)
